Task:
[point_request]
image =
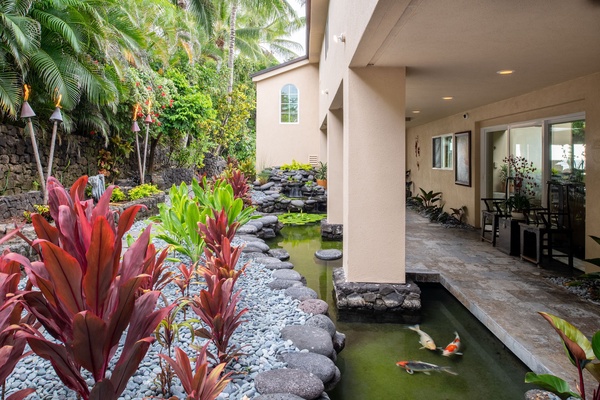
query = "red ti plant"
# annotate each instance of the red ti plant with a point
(216, 307)
(200, 383)
(216, 229)
(87, 295)
(239, 183)
(221, 257)
(11, 343)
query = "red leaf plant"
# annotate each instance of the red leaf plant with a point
(239, 183)
(201, 383)
(216, 307)
(12, 345)
(221, 257)
(87, 295)
(216, 229)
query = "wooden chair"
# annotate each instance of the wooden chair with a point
(490, 217)
(549, 230)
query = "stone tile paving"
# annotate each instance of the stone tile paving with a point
(503, 292)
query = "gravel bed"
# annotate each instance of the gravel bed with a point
(259, 338)
(582, 291)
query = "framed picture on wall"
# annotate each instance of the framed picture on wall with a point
(462, 158)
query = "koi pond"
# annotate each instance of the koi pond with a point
(368, 363)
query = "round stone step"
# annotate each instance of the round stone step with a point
(328, 254)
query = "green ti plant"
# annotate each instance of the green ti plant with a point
(179, 223)
(582, 353)
(427, 200)
(167, 334)
(12, 343)
(200, 382)
(89, 294)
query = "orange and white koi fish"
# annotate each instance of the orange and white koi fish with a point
(420, 366)
(425, 340)
(453, 347)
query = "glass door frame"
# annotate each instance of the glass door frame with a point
(545, 125)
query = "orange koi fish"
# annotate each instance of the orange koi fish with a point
(453, 347)
(420, 366)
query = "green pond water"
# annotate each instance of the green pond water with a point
(487, 370)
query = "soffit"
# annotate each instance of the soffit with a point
(454, 48)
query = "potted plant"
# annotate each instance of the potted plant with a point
(321, 174)
(521, 174)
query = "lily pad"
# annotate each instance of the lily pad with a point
(300, 218)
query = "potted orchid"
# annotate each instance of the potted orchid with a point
(521, 174)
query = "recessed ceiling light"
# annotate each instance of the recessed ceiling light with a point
(416, 111)
(505, 71)
(447, 98)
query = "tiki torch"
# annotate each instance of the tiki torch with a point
(135, 128)
(147, 121)
(27, 112)
(56, 118)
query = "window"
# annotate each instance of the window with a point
(289, 104)
(442, 152)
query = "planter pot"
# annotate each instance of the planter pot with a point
(322, 182)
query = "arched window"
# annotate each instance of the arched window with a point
(289, 104)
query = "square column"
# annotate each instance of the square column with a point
(374, 170)
(335, 167)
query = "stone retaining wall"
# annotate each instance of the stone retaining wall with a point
(332, 231)
(14, 206)
(400, 298)
(74, 156)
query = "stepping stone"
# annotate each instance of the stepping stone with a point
(317, 364)
(298, 203)
(314, 306)
(268, 220)
(266, 186)
(301, 293)
(256, 223)
(251, 248)
(323, 322)
(537, 394)
(280, 265)
(260, 247)
(292, 381)
(339, 342)
(278, 284)
(278, 396)
(311, 338)
(282, 254)
(267, 233)
(328, 254)
(257, 256)
(270, 260)
(247, 229)
(249, 238)
(337, 377)
(287, 274)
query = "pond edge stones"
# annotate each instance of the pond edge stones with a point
(359, 296)
(312, 369)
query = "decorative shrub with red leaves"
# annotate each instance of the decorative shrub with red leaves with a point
(11, 343)
(239, 183)
(216, 307)
(87, 295)
(200, 383)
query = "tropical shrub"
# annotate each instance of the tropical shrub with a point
(239, 184)
(427, 199)
(141, 191)
(12, 344)
(220, 196)
(117, 195)
(582, 353)
(295, 165)
(216, 307)
(199, 383)
(88, 294)
(179, 223)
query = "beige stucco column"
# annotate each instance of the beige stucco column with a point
(374, 169)
(335, 167)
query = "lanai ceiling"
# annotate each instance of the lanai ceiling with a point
(455, 48)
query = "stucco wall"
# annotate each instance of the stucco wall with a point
(278, 143)
(579, 95)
